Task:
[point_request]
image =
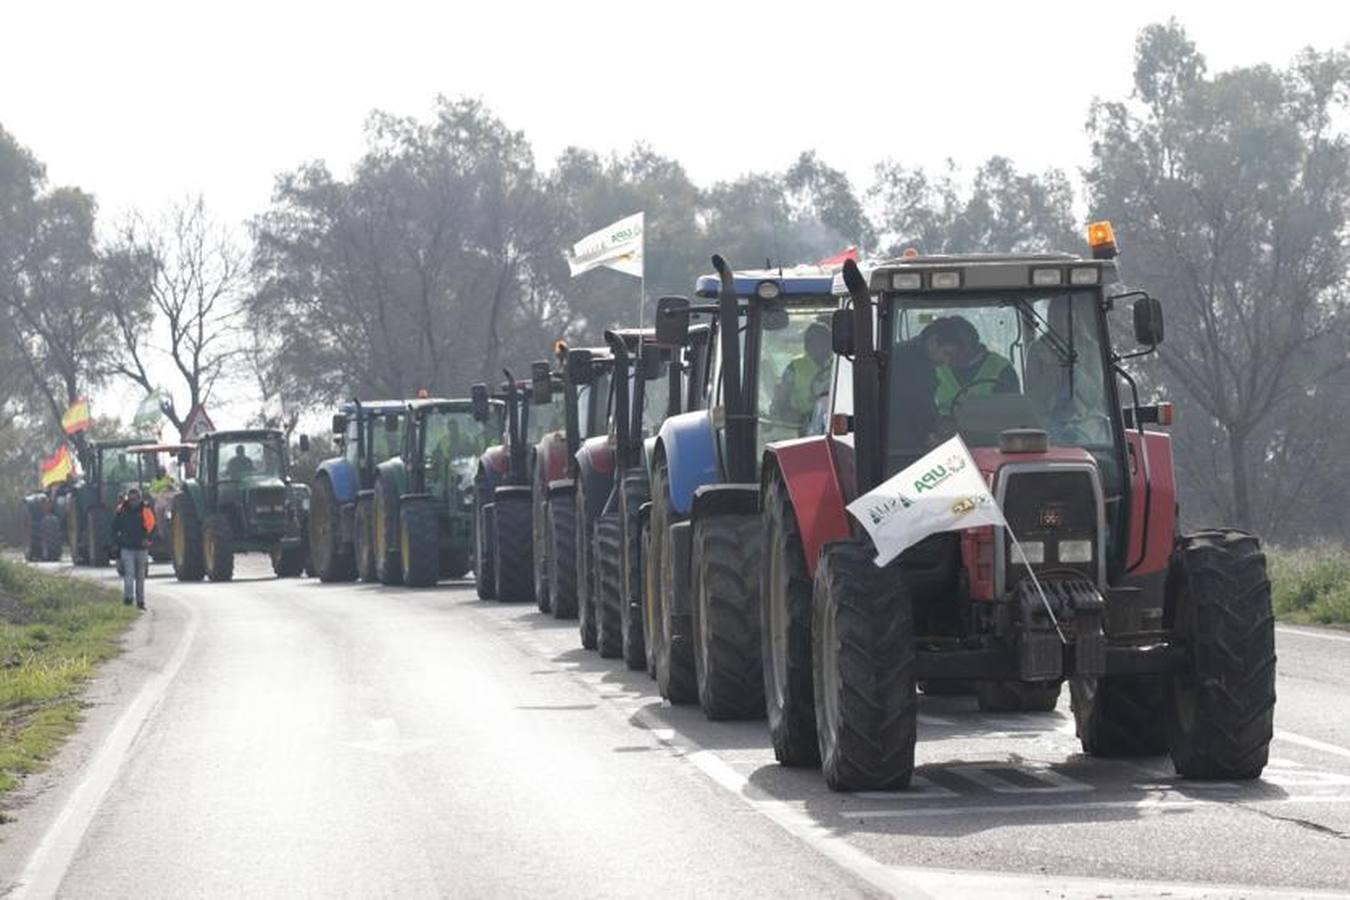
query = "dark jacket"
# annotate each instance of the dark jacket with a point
(133, 526)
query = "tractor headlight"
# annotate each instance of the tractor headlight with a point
(906, 281)
(1075, 551)
(1033, 551)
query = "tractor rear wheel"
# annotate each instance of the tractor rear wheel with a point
(586, 612)
(1017, 696)
(50, 534)
(363, 541)
(484, 534)
(636, 491)
(98, 534)
(562, 573)
(511, 546)
(188, 559)
(218, 547)
(609, 587)
(863, 655)
(419, 542)
(785, 614)
(333, 560)
(1120, 715)
(727, 641)
(1221, 713)
(676, 679)
(388, 565)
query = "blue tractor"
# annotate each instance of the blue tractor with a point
(701, 585)
(342, 513)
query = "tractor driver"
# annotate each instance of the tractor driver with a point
(239, 464)
(963, 365)
(805, 378)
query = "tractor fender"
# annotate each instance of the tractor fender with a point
(725, 500)
(649, 454)
(1153, 493)
(197, 494)
(562, 487)
(808, 468)
(551, 456)
(690, 448)
(595, 470)
(393, 470)
(342, 476)
(496, 460)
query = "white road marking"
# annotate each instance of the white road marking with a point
(1143, 805)
(1307, 632)
(46, 868)
(1311, 743)
(388, 740)
(1049, 781)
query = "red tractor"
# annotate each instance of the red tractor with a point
(1166, 640)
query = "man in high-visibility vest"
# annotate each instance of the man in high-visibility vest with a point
(964, 366)
(805, 379)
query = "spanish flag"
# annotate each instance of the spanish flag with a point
(76, 418)
(58, 467)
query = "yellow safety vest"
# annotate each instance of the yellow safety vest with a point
(983, 384)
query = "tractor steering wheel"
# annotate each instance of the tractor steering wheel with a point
(960, 395)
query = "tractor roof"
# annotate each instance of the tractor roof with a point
(456, 404)
(794, 282)
(117, 443)
(247, 434)
(374, 407)
(984, 272)
(160, 448)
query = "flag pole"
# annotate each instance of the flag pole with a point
(642, 279)
(1035, 581)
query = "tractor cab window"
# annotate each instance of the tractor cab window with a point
(655, 398)
(546, 418)
(351, 450)
(454, 441)
(384, 442)
(119, 466)
(796, 363)
(979, 364)
(246, 458)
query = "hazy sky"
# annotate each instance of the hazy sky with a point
(142, 102)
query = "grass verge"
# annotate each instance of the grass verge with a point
(1311, 585)
(54, 631)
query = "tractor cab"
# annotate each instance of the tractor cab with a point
(442, 441)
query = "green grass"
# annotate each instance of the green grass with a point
(54, 631)
(1311, 585)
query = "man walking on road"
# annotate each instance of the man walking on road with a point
(133, 525)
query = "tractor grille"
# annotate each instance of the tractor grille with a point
(269, 502)
(1056, 514)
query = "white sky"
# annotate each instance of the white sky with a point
(143, 102)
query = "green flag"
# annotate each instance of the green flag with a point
(149, 413)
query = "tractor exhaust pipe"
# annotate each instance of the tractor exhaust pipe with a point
(623, 369)
(740, 424)
(868, 442)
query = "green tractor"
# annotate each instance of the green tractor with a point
(110, 469)
(242, 500)
(424, 496)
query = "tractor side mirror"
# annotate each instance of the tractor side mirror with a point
(672, 321)
(541, 384)
(1148, 321)
(339, 424)
(653, 366)
(841, 332)
(478, 397)
(579, 367)
(304, 443)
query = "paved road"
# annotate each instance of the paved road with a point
(291, 738)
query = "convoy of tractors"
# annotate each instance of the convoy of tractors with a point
(681, 491)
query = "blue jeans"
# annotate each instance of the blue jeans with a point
(135, 564)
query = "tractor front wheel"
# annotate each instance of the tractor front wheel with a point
(785, 612)
(1222, 712)
(1120, 715)
(288, 562)
(608, 588)
(189, 562)
(50, 534)
(728, 661)
(863, 656)
(363, 541)
(586, 602)
(388, 564)
(218, 547)
(484, 532)
(511, 547)
(635, 492)
(562, 571)
(98, 534)
(676, 679)
(333, 560)
(419, 542)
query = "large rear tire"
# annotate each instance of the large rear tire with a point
(636, 491)
(50, 534)
(676, 679)
(586, 612)
(218, 547)
(562, 531)
(363, 541)
(727, 639)
(388, 563)
(511, 546)
(1121, 715)
(785, 609)
(419, 542)
(609, 586)
(1221, 714)
(333, 560)
(863, 654)
(189, 563)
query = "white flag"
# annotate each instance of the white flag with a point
(617, 247)
(943, 491)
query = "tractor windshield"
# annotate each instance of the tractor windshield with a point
(589, 421)
(655, 399)
(795, 363)
(454, 441)
(979, 364)
(546, 418)
(119, 466)
(384, 439)
(249, 457)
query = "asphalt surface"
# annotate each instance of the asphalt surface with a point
(270, 738)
